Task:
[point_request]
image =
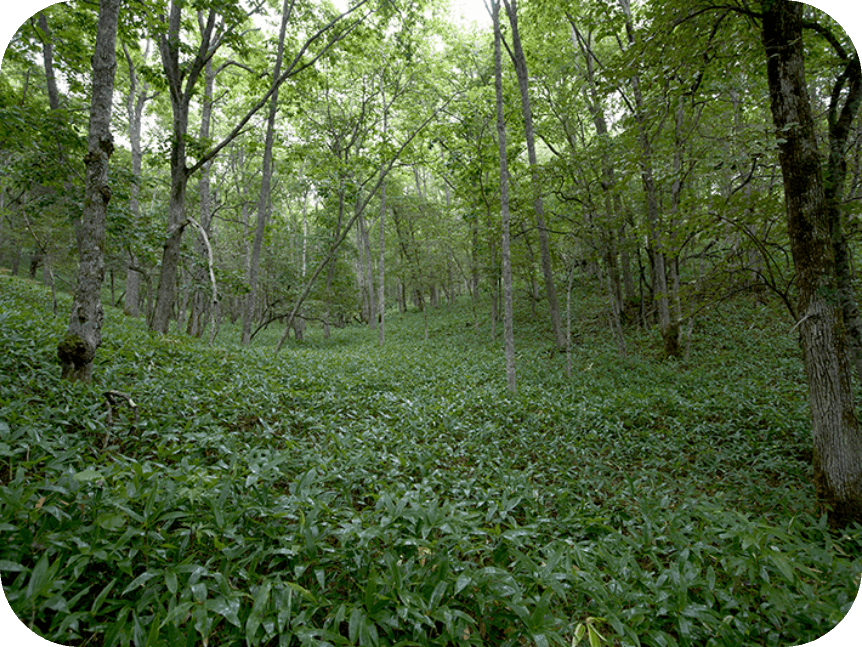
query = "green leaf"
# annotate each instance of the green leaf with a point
(7, 566)
(39, 579)
(226, 607)
(357, 617)
(783, 565)
(261, 597)
(140, 580)
(88, 474)
(100, 599)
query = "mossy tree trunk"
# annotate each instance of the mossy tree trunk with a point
(78, 348)
(822, 328)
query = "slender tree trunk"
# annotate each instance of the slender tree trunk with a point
(368, 271)
(265, 202)
(835, 426)
(612, 217)
(508, 327)
(520, 62)
(304, 267)
(661, 292)
(78, 348)
(48, 61)
(200, 304)
(381, 265)
(135, 103)
(180, 83)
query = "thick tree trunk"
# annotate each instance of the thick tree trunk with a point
(78, 348)
(840, 122)
(835, 427)
(181, 83)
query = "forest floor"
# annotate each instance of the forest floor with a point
(344, 493)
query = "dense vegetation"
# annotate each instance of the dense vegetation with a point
(345, 493)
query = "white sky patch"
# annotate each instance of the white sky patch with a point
(471, 11)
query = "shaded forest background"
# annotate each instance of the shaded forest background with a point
(408, 99)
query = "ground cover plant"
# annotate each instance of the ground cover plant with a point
(343, 493)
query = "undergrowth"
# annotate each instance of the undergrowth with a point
(343, 493)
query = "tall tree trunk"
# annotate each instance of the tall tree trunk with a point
(660, 288)
(265, 201)
(200, 304)
(508, 327)
(840, 122)
(78, 348)
(611, 198)
(135, 103)
(520, 61)
(181, 83)
(368, 271)
(835, 427)
(48, 61)
(381, 267)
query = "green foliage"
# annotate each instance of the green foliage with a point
(346, 494)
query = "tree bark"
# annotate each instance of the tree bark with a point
(135, 103)
(265, 202)
(840, 120)
(611, 199)
(78, 348)
(835, 427)
(661, 292)
(181, 83)
(200, 305)
(520, 61)
(508, 327)
(381, 290)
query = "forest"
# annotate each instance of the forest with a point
(390, 323)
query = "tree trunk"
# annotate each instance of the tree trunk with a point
(520, 62)
(508, 327)
(265, 201)
(181, 83)
(661, 292)
(200, 303)
(381, 290)
(135, 102)
(612, 217)
(78, 349)
(840, 127)
(835, 427)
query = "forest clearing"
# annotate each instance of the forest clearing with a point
(388, 323)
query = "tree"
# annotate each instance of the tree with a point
(822, 328)
(136, 100)
(508, 328)
(520, 61)
(78, 348)
(669, 330)
(264, 201)
(182, 77)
